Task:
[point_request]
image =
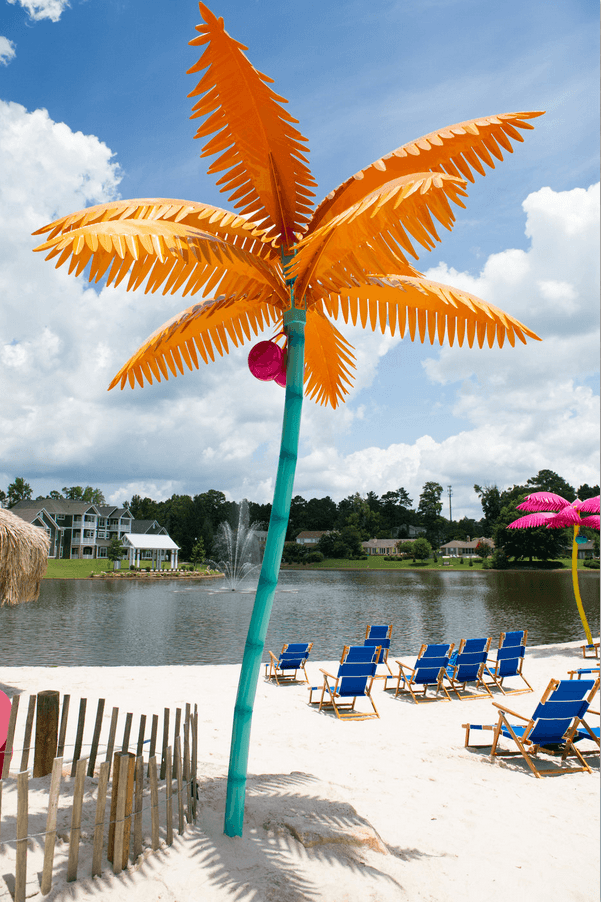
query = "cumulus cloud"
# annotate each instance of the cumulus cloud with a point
(61, 342)
(7, 51)
(43, 9)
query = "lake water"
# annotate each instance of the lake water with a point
(94, 622)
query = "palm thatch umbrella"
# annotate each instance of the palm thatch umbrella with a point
(23, 559)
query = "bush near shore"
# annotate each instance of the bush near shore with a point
(82, 569)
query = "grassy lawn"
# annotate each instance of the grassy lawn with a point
(77, 569)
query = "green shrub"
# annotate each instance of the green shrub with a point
(591, 564)
(498, 560)
(315, 557)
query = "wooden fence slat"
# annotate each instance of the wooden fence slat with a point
(153, 739)
(194, 762)
(27, 735)
(96, 736)
(103, 780)
(22, 827)
(125, 765)
(112, 733)
(10, 736)
(180, 784)
(46, 732)
(139, 790)
(187, 778)
(62, 733)
(176, 729)
(79, 737)
(126, 732)
(50, 839)
(154, 802)
(74, 835)
(169, 795)
(166, 713)
(141, 734)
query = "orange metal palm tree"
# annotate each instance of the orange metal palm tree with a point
(278, 263)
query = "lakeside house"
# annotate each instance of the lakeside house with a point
(310, 537)
(465, 547)
(81, 530)
(384, 546)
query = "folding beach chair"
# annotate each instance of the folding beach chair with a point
(585, 671)
(508, 662)
(430, 669)
(466, 665)
(284, 669)
(552, 728)
(351, 654)
(380, 635)
(590, 651)
(354, 680)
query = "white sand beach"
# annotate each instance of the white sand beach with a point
(357, 811)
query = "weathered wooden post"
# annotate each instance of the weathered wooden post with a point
(46, 732)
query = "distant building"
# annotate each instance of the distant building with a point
(383, 546)
(80, 530)
(465, 547)
(311, 537)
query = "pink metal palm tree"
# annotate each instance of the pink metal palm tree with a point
(554, 512)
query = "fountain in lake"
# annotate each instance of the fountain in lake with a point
(237, 550)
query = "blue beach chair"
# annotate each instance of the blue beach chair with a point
(466, 665)
(430, 669)
(552, 728)
(590, 651)
(284, 668)
(380, 635)
(509, 661)
(354, 679)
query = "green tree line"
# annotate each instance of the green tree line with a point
(193, 521)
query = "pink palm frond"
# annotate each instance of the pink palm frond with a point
(566, 517)
(590, 506)
(592, 522)
(540, 501)
(540, 518)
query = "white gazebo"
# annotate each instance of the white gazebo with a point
(162, 548)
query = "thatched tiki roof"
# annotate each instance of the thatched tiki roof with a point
(23, 559)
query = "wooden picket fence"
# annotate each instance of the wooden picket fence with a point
(132, 779)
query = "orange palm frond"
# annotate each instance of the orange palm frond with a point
(426, 308)
(164, 253)
(375, 233)
(329, 360)
(199, 330)
(263, 153)
(457, 150)
(232, 228)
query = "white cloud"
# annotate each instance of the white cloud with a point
(43, 9)
(61, 342)
(7, 51)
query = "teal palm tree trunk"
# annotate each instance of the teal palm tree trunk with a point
(294, 326)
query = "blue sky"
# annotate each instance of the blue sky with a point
(362, 79)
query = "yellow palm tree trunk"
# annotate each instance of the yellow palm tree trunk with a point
(587, 629)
